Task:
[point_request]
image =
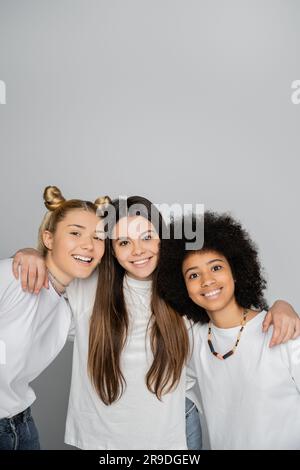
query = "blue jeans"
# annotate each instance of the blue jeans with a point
(19, 432)
(193, 426)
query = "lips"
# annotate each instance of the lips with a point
(83, 259)
(141, 262)
(212, 294)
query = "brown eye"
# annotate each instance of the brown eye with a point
(99, 239)
(217, 268)
(193, 276)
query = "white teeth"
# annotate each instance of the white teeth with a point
(142, 261)
(82, 258)
(214, 292)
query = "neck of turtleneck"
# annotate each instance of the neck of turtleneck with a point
(137, 284)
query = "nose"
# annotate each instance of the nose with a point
(137, 248)
(207, 280)
(87, 243)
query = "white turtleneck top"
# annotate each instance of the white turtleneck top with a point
(138, 420)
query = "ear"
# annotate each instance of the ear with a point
(48, 239)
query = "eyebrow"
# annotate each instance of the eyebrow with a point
(210, 262)
(129, 238)
(148, 231)
(83, 227)
(76, 225)
(217, 259)
(121, 238)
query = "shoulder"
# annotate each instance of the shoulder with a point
(11, 291)
(6, 268)
(197, 332)
(290, 352)
(196, 328)
(7, 278)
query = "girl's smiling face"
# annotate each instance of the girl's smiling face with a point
(76, 246)
(209, 280)
(136, 246)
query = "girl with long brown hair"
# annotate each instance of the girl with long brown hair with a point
(138, 346)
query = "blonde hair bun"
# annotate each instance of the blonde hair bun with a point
(53, 198)
(102, 201)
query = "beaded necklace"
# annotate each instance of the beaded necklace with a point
(229, 353)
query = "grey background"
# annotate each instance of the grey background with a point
(178, 100)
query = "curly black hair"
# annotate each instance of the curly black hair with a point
(224, 235)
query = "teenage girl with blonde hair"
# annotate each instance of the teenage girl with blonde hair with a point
(34, 328)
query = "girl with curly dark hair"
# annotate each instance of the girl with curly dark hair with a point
(249, 392)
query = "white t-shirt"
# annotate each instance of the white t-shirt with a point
(33, 330)
(138, 420)
(250, 400)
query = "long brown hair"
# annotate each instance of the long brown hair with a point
(109, 323)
